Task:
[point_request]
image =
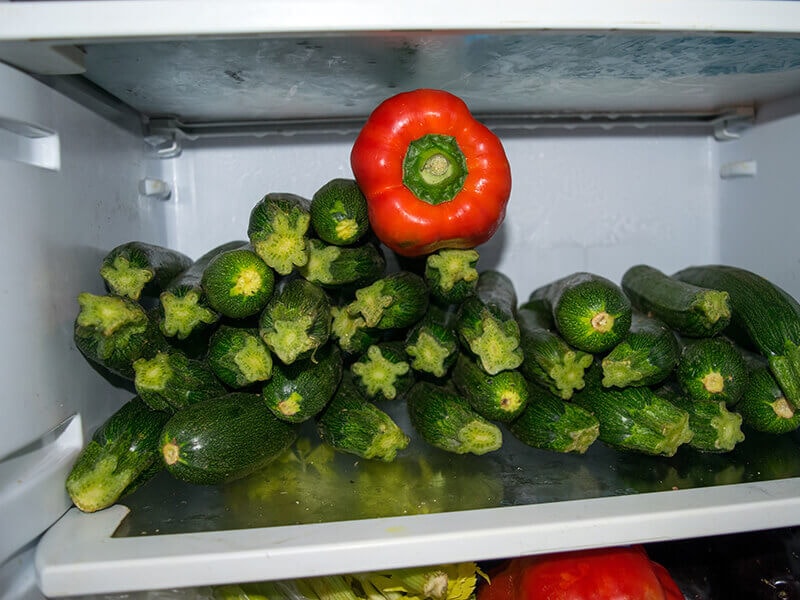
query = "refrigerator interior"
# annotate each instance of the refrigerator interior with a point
(664, 148)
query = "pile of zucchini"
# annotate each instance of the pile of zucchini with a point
(311, 320)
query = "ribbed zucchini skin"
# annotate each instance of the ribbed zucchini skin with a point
(395, 301)
(444, 420)
(501, 397)
(547, 359)
(712, 369)
(136, 268)
(278, 230)
(339, 212)
(351, 424)
(296, 321)
(122, 454)
(238, 356)
(170, 381)
(764, 314)
(331, 266)
(299, 391)
(635, 418)
(686, 308)
(486, 323)
(223, 439)
(763, 405)
(237, 283)
(550, 423)
(590, 312)
(646, 356)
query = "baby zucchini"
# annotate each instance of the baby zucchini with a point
(134, 269)
(237, 283)
(590, 312)
(383, 372)
(339, 212)
(432, 344)
(763, 405)
(278, 231)
(688, 309)
(395, 301)
(500, 397)
(223, 439)
(238, 356)
(332, 266)
(712, 369)
(451, 274)
(170, 381)
(486, 323)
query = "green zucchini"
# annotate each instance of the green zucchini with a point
(237, 283)
(712, 369)
(687, 309)
(350, 332)
(114, 331)
(501, 397)
(646, 356)
(550, 423)
(238, 356)
(432, 344)
(223, 439)
(763, 405)
(339, 212)
(383, 371)
(715, 427)
(278, 230)
(351, 424)
(590, 312)
(547, 359)
(486, 323)
(122, 454)
(634, 418)
(331, 266)
(184, 306)
(299, 391)
(296, 321)
(136, 269)
(170, 381)
(395, 301)
(764, 314)
(451, 274)
(444, 420)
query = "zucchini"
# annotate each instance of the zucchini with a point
(278, 231)
(383, 371)
(764, 314)
(238, 356)
(351, 332)
(451, 274)
(339, 212)
(223, 439)
(500, 397)
(432, 344)
(395, 301)
(712, 369)
(715, 428)
(547, 359)
(122, 454)
(170, 381)
(351, 424)
(590, 312)
(688, 309)
(134, 269)
(486, 323)
(763, 405)
(634, 418)
(331, 266)
(296, 321)
(646, 356)
(114, 331)
(444, 420)
(550, 423)
(237, 283)
(299, 391)
(184, 305)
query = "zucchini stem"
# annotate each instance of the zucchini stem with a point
(602, 322)
(713, 382)
(497, 345)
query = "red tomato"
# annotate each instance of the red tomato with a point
(619, 573)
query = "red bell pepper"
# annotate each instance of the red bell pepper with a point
(618, 573)
(433, 176)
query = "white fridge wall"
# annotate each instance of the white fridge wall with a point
(580, 201)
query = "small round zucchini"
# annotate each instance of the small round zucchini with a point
(170, 381)
(395, 301)
(238, 356)
(712, 369)
(383, 372)
(237, 283)
(278, 231)
(332, 266)
(501, 397)
(136, 269)
(763, 405)
(339, 212)
(451, 274)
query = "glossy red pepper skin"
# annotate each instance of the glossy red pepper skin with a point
(618, 573)
(400, 219)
